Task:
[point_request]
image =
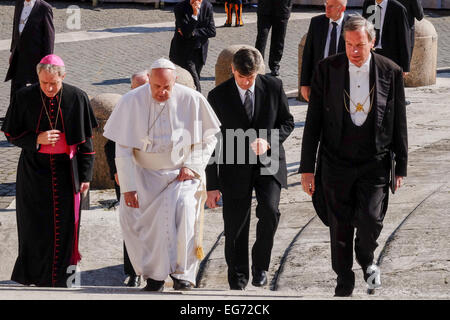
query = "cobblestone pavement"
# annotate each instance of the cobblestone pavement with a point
(100, 66)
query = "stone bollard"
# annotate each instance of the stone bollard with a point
(301, 47)
(102, 105)
(223, 64)
(184, 77)
(424, 59)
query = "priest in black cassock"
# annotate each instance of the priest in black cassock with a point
(52, 122)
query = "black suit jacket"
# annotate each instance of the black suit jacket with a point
(316, 41)
(35, 42)
(326, 109)
(195, 32)
(277, 8)
(395, 39)
(324, 118)
(271, 111)
(414, 10)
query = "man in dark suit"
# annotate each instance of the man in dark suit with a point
(254, 113)
(194, 24)
(357, 113)
(324, 39)
(392, 30)
(414, 11)
(33, 38)
(273, 14)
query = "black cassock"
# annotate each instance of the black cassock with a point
(48, 181)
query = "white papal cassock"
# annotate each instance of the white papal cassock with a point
(153, 141)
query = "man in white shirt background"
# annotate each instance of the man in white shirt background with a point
(324, 30)
(33, 38)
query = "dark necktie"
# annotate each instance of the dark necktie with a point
(248, 106)
(333, 40)
(377, 31)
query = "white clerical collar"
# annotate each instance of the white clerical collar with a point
(364, 68)
(29, 3)
(242, 91)
(338, 21)
(383, 4)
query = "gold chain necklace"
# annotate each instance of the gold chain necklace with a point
(359, 107)
(57, 113)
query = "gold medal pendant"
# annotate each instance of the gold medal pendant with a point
(359, 107)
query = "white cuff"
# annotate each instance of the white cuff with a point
(126, 172)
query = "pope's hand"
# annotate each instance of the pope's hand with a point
(260, 146)
(131, 199)
(48, 137)
(213, 198)
(185, 174)
(307, 181)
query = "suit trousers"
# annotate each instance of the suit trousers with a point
(357, 199)
(194, 64)
(279, 27)
(127, 266)
(236, 215)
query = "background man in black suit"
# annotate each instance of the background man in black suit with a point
(194, 24)
(414, 11)
(33, 38)
(324, 39)
(254, 109)
(357, 113)
(392, 29)
(273, 14)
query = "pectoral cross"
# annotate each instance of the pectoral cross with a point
(359, 107)
(146, 142)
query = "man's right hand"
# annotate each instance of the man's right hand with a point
(48, 137)
(131, 199)
(306, 92)
(307, 181)
(195, 4)
(213, 198)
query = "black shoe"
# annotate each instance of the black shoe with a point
(237, 281)
(259, 277)
(345, 285)
(275, 73)
(154, 285)
(407, 102)
(227, 24)
(183, 285)
(134, 281)
(343, 290)
(372, 276)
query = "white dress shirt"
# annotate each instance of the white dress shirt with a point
(359, 91)
(380, 16)
(338, 35)
(26, 11)
(252, 95)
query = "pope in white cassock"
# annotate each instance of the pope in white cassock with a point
(165, 135)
